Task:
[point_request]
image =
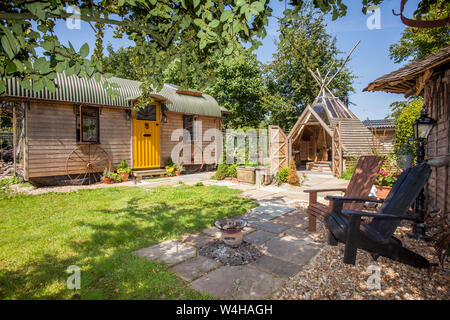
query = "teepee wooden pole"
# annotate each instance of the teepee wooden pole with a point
(343, 64)
(314, 76)
(329, 70)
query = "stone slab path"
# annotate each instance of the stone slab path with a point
(278, 231)
(275, 228)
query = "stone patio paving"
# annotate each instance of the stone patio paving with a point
(276, 228)
(277, 231)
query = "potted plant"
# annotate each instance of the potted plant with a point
(384, 182)
(124, 170)
(170, 170)
(107, 176)
(178, 169)
(116, 178)
(406, 153)
(170, 167)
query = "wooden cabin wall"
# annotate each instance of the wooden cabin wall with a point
(305, 146)
(209, 123)
(308, 148)
(175, 121)
(437, 99)
(386, 138)
(115, 135)
(51, 136)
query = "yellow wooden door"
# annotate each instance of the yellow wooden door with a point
(146, 137)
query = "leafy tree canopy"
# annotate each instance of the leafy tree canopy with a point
(120, 63)
(238, 86)
(416, 44)
(405, 114)
(162, 30)
(339, 9)
(303, 43)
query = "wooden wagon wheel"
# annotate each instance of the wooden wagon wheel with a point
(85, 164)
(196, 148)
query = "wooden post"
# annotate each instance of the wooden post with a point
(311, 216)
(14, 140)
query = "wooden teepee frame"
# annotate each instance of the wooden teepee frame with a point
(324, 82)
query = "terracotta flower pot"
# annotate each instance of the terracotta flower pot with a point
(124, 176)
(383, 191)
(177, 173)
(107, 180)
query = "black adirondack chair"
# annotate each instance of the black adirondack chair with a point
(376, 237)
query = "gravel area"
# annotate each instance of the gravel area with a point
(220, 252)
(327, 277)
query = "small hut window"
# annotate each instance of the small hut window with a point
(188, 125)
(88, 125)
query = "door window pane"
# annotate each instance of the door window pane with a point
(148, 113)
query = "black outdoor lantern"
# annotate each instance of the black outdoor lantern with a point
(422, 129)
(423, 125)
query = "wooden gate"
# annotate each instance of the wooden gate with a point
(278, 149)
(337, 152)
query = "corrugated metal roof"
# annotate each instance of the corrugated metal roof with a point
(204, 105)
(380, 124)
(82, 90)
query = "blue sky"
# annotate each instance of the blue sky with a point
(369, 61)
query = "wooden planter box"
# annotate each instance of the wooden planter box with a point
(382, 191)
(246, 174)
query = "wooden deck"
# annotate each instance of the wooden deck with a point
(322, 166)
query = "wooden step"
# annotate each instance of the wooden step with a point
(139, 174)
(320, 167)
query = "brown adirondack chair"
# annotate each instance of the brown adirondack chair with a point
(359, 187)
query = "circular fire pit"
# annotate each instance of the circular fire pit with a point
(231, 230)
(230, 256)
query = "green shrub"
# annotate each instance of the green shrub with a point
(348, 173)
(199, 184)
(123, 167)
(232, 172)
(222, 171)
(293, 177)
(407, 115)
(283, 174)
(169, 162)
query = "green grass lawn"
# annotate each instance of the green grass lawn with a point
(97, 230)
